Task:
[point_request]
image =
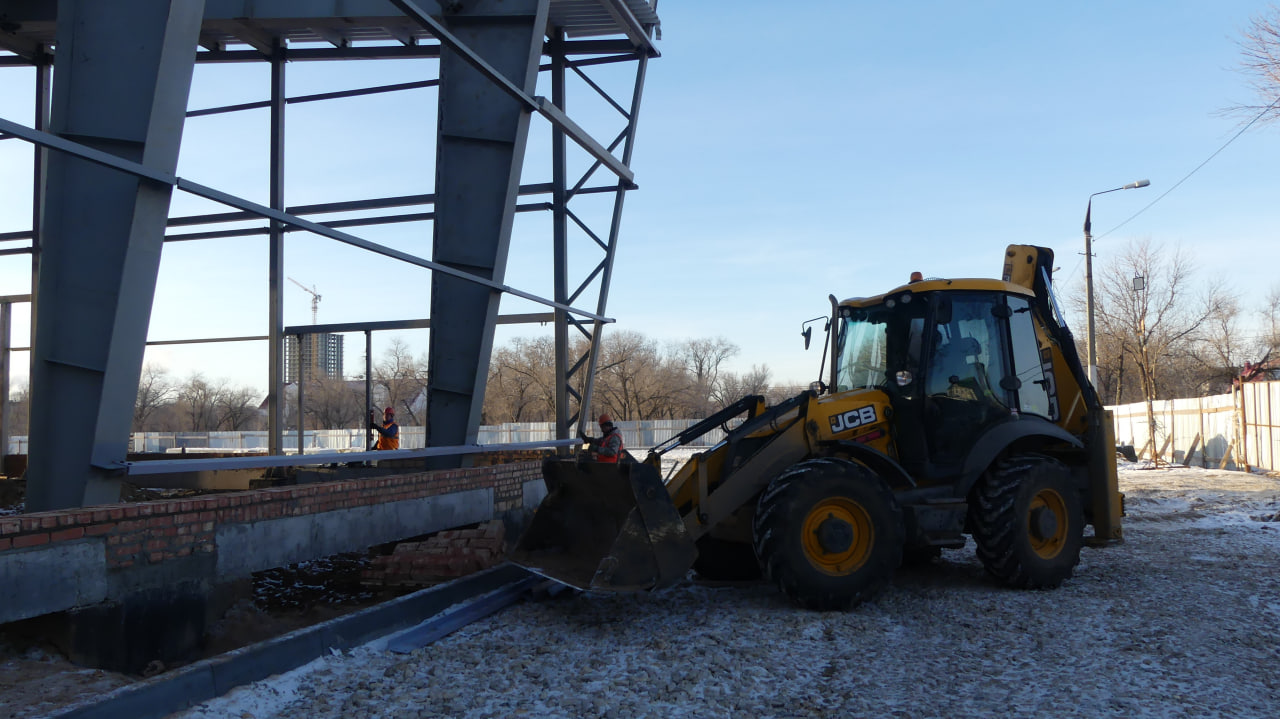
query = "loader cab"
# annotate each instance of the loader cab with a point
(955, 358)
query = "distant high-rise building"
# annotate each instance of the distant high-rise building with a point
(313, 356)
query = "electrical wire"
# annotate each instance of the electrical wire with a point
(1175, 186)
(1259, 116)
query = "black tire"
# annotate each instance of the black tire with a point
(836, 561)
(722, 560)
(1028, 523)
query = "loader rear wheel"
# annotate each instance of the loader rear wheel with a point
(1028, 522)
(829, 533)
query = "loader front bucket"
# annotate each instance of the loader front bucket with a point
(606, 526)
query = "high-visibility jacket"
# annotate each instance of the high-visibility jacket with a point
(610, 447)
(388, 435)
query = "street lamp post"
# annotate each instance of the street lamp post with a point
(1088, 278)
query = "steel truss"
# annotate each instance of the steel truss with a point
(91, 380)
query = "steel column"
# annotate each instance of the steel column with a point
(124, 73)
(481, 137)
(275, 271)
(560, 239)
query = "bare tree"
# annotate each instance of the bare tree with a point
(703, 359)
(1261, 48)
(521, 384)
(634, 380)
(335, 403)
(236, 408)
(18, 418)
(197, 398)
(1225, 349)
(402, 380)
(208, 406)
(1157, 327)
(733, 387)
(155, 389)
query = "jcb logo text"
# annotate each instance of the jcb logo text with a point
(853, 418)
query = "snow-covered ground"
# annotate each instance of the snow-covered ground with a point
(1183, 619)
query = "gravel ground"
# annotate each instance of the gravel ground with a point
(1183, 619)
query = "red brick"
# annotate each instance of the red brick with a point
(66, 534)
(131, 511)
(48, 521)
(97, 530)
(5, 543)
(155, 557)
(10, 526)
(162, 521)
(155, 545)
(146, 509)
(117, 513)
(30, 540)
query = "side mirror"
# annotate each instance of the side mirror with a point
(807, 333)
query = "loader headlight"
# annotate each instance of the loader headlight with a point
(904, 377)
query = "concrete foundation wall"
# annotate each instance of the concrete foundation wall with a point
(76, 558)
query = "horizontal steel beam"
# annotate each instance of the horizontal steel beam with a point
(175, 466)
(382, 325)
(208, 340)
(311, 54)
(316, 97)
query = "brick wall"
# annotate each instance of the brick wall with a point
(152, 533)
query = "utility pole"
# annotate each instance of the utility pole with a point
(1091, 340)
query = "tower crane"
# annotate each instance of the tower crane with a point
(315, 298)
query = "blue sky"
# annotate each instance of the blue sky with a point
(783, 155)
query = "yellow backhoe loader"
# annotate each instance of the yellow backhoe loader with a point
(952, 407)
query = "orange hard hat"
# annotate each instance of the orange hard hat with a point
(389, 412)
(605, 419)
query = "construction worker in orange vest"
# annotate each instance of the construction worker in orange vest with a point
(607, 448)
(388, 431)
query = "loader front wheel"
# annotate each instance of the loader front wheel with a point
(829, 533)
(1028, 523)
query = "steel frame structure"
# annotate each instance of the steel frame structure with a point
(102, 178)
